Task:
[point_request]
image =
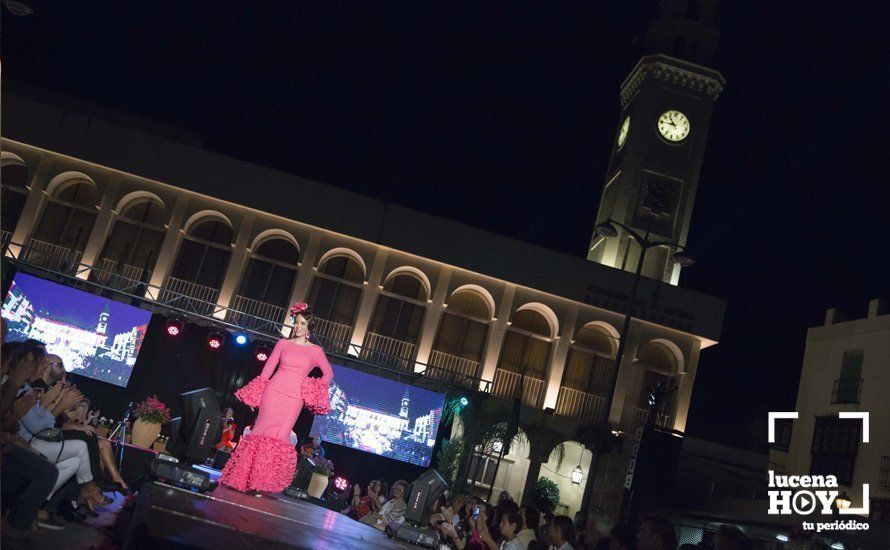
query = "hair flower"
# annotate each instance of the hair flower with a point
(297, 308)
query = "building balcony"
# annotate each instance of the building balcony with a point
(113, 273)
(334, 337)
(846, 391)
(506, 382)
(456, 371)
(51, 256)
(388, 352)
(255, 315)
(635, 417)
(189, 296)
(580, 405)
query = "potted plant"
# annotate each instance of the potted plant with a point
(324, 468)
(150, 415)
(544, 495)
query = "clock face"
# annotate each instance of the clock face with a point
(622, 133)
(673, 125)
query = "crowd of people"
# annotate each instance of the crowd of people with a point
(464, 522)
(54, 467)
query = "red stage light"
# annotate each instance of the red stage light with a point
(341, 484)
(262, 354)
(215, 340)
(174, 327)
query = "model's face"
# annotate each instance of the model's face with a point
(301, 326)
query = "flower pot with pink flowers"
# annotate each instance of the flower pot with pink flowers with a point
(150, 415)
(324, 469)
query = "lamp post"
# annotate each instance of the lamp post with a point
(607, 230)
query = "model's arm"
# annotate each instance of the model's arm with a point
(327, 373)
(272, 361)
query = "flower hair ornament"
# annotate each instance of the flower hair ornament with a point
(297, 308)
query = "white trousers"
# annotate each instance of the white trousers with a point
(70, 457)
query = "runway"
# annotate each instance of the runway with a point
(166, 516)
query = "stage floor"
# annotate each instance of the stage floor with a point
(228, 519)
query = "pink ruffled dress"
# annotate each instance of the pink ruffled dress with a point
(265, 460)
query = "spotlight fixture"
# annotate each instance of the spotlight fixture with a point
(262, 352)
(464, 401)
(215, 340)
(174, 326)
(341, 484)
(241, 339)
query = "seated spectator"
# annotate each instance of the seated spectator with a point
(75, 425)
(393, 510)
(561, 533)
(656, 533)
(458, 507)
(362, 505)
(531, 517)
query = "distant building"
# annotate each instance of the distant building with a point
(846, 367)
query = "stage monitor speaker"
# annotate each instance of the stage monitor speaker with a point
(199, 428)
(180, 475)
(424, 491)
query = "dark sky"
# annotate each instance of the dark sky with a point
(503, 115)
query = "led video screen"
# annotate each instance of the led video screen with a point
(381, 416)
(94, 336)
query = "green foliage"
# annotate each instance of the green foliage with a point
(447, 458)
(544, 494)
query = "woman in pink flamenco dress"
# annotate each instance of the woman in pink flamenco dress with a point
(265, 459)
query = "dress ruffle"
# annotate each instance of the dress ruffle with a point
(260, 463)
(252, 393)
(316, 396)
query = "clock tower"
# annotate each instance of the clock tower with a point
(666, 106)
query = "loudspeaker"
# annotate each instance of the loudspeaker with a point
(194, 434)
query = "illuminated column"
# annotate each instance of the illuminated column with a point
(169, 247)
(369, 299)
(237, 263)
(433, 316)
(33, 204)
(305, 273)
(624, 374)
(684, 392)
(496, 334)
(558, 360)
(101, 228)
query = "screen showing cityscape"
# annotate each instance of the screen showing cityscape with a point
(381, 416)
(94, 336)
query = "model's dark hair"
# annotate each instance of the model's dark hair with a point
(308, 315)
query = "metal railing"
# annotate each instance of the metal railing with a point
(197, 298)
(846, 391)
(454, 370)
(506, 382)
(394, 353)
(52, 256)
(580, 405)
(249, 313)
(635, 417)
(198, 302)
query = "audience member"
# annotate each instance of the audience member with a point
(531, 517)
(510, 525)
(370, 503)
(656, 533)
(561, 533)
(393, 510)
(596, 528)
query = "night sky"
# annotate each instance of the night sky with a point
(503, 116)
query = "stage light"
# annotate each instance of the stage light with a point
(262, 353)
(241, 339)
(215, 340)
(174, 327)
(341, 484)
(464, 401)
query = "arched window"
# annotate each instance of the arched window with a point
(525, 356)
(268, 281)
(334, 295)
(460, 338)
(397, 319)
(14, 178)
(65, 225)
(587, 375)
(652, 377)
(135, 241)
(202, 260)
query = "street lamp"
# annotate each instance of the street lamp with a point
(578, 473)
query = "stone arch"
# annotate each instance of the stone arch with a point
(131, 199)
(347, 252)
(546, 312)
(662, 355)
(413, 272)
(607, 344)
(11, 159)
(274, 233)
(484, 294)
(204, 215)
(65, 179)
